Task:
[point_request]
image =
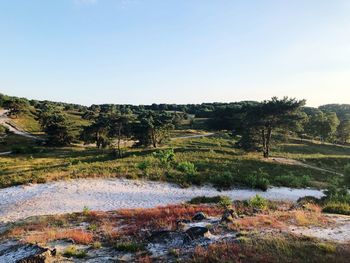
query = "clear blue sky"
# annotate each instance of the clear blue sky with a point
(175, 51)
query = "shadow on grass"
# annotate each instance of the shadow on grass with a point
(308, 147)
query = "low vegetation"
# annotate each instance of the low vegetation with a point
(256, 235)
(210, 160)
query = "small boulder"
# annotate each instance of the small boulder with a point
(13, 251)
(166, 237)
(197, 232)
(181, 223)
(199, 216)
(160, 236)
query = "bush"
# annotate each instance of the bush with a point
(187, 167)
(292, 180)
(190, 172)
(336, 194)
(72, 251)
(166, 157)
(219, 199)
(308, 200)
(327, 247)
(337, 208)
(144, 166)
(258, 202)
(224, 180)
(129, 247)
(258, 180)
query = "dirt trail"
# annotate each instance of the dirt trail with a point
(107, 194)
(194, 136)
(6, 121)
(298, 163)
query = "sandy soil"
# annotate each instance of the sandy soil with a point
(338, 232)
(19, 202)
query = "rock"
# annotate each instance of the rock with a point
(166, 237)
(13, 251)
(229, 216)
(183, 221)
(197, 232)
(161, 241)
(199, 216)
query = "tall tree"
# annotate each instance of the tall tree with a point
(261, 120)
(343, 131)
(153, 127)
(98, 132)
(58, 130)
(323, 125)
(120, 128)
(107, 128)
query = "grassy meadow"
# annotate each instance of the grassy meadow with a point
(208, 160)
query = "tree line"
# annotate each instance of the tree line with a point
(253, 124)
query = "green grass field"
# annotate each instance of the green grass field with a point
(215, 161)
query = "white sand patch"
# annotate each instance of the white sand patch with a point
(19, 202)
(339, 231)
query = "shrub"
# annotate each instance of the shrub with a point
(308, 200)
(190, 172)
(97, 245)
(86, 210)
(166, 157)
(327, 247)
(72, 251)
(129, 247)
(258, 202)
(337, 208)
(336, 194)
(219, 199)
(187, 167)
(144, 166)
(258, 180)
(224, 180)
(292, 180)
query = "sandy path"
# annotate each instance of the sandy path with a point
(5, 121)
(283, 160)
(19, 202)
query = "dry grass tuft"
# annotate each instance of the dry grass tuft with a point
(259, 221)
(77, 235)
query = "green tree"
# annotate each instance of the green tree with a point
(97, 132)
(106, 128)
(16, 106)
(120, 128)
(323, 125)
(259, 121)
(343, 131)
(153, 128)
(57, 129)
